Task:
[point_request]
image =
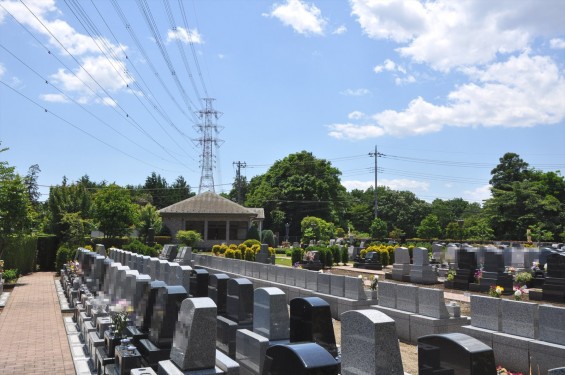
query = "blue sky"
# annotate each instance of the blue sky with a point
(442, 88)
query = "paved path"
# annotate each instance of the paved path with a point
(33, 339)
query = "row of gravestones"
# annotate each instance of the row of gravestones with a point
(519, 258)
(369, 343)
(523, 334)
(553, 287)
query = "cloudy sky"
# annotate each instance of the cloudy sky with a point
(443, 88)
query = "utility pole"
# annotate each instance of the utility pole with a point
(209, 142)
(376, 155)
(239, 165)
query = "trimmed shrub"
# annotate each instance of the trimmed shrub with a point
(344, 255)
(216, 249)
(139, 247)
(64, 254)
(251, 242)
(249, 254)
(335, 253)
(18, 252)
(229, 253)
(10, 275)
(268, 237)
(163, 240)
(329, 259)
(253, 233)
(189, 237)
(385, 259)
(237, 254)
(297, 255)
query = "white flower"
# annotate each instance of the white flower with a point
(360, 276)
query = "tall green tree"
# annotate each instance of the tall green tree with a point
(378, 228)
(429, 227)
(148, 217)
(511, 168)
(114, 212)
(300, 185)
(65, 199)
(522, 197)
(401, 209)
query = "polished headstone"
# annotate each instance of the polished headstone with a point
(457, 352)
(194, 342)
(270, 314)
(369, 344)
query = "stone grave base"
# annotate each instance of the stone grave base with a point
(424, 325)
(545, 356)
(401, 319)
(481, 334)
(511, 352)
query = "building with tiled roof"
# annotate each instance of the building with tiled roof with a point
(217, 219)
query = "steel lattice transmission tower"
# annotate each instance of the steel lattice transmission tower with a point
(210, 143)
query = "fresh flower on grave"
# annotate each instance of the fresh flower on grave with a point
(535, 266)
(297, 265)
(478, 275)
(522, 278)
(120, 313)
(545, 267)
(451, 275)
(511, 270)
(321, 271)
(73, 266)
(519, 292)
(495, 291)
(1, 266)
(502, 371)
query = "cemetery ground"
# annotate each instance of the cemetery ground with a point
(23, 324)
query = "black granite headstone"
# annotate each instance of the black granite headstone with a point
(165, 314)
(465, 273)
(145, 307)
(218, 290)
(454, 353)
(199, 278)
(311, 321)
(239, 303)
(554, 285)
(299, 359)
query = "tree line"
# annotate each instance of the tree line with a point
(302, 191)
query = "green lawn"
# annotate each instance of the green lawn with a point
(283, 260)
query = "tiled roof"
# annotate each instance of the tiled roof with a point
(211, 203)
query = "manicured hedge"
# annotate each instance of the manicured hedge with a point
(18, 252)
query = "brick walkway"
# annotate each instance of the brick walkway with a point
(32, 332)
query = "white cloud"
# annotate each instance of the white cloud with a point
(557, 43)
(447, 34)
(523, 91)
(356, 115)
(2, 70)
(54, 98)
(399, 72)
(395, 184)
(185, 36)
(340, 30)
(221, 56)
(405, 184)
(404, 80)
(303, 18)
(355, 92)
(355, 132)
(63, 38)
(477, 195)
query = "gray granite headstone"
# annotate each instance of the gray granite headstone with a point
(324, 283)
(387, 294)
(520, 318)
(369, 344)
(486, 312)
(407, 298)
(552, 324)
(354, 288)
(194, 342)
(401, 266)
(337, 285)
(270, 314)
(431, 303)
(421, 272)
